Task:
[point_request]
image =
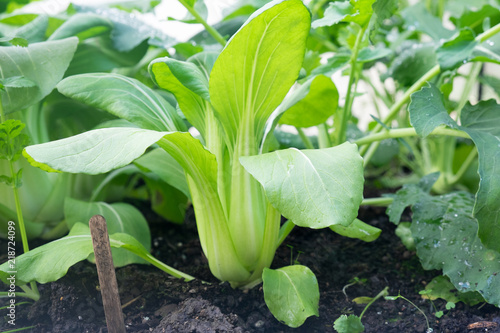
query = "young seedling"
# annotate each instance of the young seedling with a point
(352, 323)
(107, 276)
(393, 298)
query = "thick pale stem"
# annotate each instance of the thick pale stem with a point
(270, 244)
(248, 202)
(215, 237)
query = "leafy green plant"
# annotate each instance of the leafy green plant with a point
(238, 190)
(218, 133)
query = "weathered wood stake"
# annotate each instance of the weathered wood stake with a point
(107, 276)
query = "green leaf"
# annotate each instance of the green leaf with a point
(362, 300)
(15, 61)
(19, 19)
(120, 218)
(334, 64)
(166, 201)
(12, 141)
(412, 63)
(291, 293)
(441, 287)
(123, 97)
(6, 180)
(83, 26)
(427, 110)
(42, 195)
(93, 152)
(409, 195)
(446, 238)
(359, 230)
(387, 150)
(363, 10)
(370, 53)
(249, 79)
(357, 11)
(418, 18)
(189, 85)
(16, 82)
(311, 104)
(166, 167)
(474, 17)
(482, 123)
(351, 324)
(51, 261)
(33, 229)
(34, 32)
(98, 55)
(488, 51)
(456, 51)
(129, 31)
(335, 13)
(18, 41)
(313, 188)
(403, 231)
(384, 9)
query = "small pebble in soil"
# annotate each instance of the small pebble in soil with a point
(259, 324)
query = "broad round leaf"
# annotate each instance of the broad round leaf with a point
(291, 294)
(27, 62)
(93, 152)
(313, 188)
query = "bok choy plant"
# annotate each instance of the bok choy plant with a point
(238, 188)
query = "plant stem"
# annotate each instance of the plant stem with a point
(22, 228)
(406, 132)
(215, 34)
(285, 230)
(169, 270)
(305, 138)
(30, 293)
(369, 154)
(382, 201)
(416, 307)
(323, 136)
(488, 33)
(463, 168)
(346, 111)
(469, 84)
(380, 294)
(420, 83)
(406, 97)
(33, 292)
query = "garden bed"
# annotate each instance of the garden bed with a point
(155, 302)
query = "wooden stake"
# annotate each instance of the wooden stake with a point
(106, 273)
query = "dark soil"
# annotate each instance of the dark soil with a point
(154, 302)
